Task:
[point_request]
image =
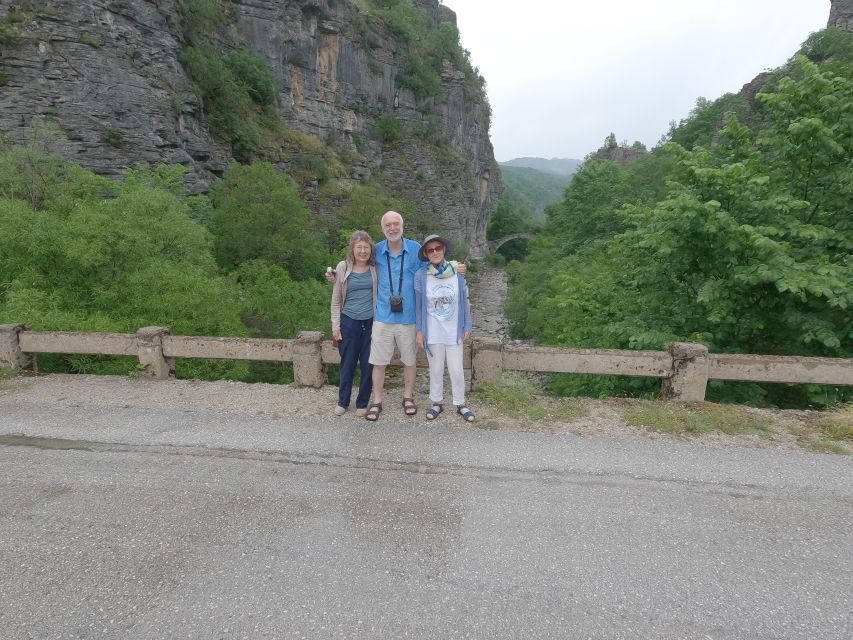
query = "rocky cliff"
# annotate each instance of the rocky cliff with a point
(841, 15)
(109, 73)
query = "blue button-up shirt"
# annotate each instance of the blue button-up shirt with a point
(410, 266)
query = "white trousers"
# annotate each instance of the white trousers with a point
(452, 354)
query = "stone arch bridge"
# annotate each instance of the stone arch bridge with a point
(494, 245)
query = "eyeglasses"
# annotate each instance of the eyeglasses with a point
(434, 249)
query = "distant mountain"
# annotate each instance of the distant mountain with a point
(556, 166)
(534, 189)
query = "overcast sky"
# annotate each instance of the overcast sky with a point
(562, 74)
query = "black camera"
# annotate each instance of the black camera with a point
(396, 304)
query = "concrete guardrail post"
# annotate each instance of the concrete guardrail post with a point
(11, 356)
(486, 362)
(689, 376)
(149, 342)
(308, 368)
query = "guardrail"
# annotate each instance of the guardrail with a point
(684, 368)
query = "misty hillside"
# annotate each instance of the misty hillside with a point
(534, 189)
(557, 166)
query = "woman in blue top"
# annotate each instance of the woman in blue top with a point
(443, 323)
(353, 305)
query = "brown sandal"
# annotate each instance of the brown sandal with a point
(373, 412)
(409, 406)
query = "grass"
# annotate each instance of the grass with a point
(521, 396)
(828, 432)
(825, 446)
(705, 417)
(838, 424)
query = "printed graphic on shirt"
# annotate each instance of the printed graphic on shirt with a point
(441, 301)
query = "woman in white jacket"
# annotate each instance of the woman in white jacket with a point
(353, 305)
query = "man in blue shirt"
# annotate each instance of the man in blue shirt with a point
(394, 321)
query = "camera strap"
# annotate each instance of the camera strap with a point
(391, 278)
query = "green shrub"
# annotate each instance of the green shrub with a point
(113, 138)
(7, 32)
(92, 41)
(390, 129)
(201, 18)
(273, 305)
(420, 78)
(313, 167)
(495, 260)
(253, 75)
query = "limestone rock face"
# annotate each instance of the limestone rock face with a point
(108, 72)
(841, 15)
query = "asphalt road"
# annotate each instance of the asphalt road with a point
(133, 523)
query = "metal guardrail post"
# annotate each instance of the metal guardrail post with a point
(308, 368)
(11, 356)
(689, 377)
(149, 341)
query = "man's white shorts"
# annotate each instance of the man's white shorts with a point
(382, 343)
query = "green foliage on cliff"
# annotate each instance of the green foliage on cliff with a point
(200, 18)
(742, 243)
(428, 49)
(390, 129)
(237, 89)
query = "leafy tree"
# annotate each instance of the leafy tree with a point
(258, 214)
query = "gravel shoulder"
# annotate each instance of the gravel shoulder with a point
(585, 417)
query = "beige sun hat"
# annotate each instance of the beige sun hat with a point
(433, 238)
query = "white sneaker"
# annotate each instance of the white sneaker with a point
(361, 412)
(339, 410)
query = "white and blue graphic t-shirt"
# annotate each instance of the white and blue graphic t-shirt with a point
(442, 295)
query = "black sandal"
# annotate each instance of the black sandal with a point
(433, 412)
(465, 412)
(373, 412)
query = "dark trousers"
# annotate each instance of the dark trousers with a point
(354, 348)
